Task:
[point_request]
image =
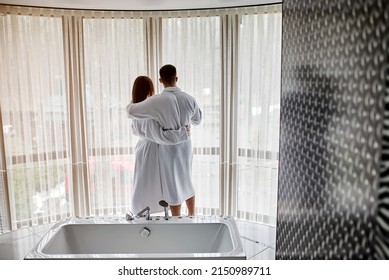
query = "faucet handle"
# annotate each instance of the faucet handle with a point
(129, 216)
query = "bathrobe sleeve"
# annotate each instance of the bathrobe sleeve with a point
(139, 111)
(151, 130)
(197, 115)
(155, 107)
(162, 108)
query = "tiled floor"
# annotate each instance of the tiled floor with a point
(258, 241)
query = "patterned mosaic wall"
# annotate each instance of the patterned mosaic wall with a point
(333, 199)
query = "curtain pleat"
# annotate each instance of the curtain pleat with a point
(78, 179)
(5, 217)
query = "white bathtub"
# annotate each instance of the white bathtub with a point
(200, 237)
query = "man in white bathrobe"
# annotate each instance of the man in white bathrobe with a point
(175, 160)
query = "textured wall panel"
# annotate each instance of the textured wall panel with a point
(332, 178)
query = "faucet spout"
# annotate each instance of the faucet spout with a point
(147, 210)
(165, 205)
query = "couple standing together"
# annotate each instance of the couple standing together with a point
(163, 156)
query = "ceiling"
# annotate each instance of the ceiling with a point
(139, 4)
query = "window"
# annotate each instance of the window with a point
(66, 78)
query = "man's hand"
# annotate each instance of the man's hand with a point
(187, 129)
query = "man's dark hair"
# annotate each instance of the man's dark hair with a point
(168, 74)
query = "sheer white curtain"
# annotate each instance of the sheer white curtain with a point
(259, 82)
(33, 113)
(193, 45)
(248, 81)
(115, 54)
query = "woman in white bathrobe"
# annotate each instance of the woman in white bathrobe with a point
(147, 189)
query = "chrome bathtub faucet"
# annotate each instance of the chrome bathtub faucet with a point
(147, 215)
(130, 216)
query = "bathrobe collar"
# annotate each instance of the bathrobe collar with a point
(171, 89)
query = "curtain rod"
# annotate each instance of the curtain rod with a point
(54, 12)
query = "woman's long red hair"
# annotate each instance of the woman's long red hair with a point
(142, 88)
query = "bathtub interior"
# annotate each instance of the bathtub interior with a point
(121, 239)
(97, 238)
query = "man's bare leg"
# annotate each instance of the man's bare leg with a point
(190, 204)
(176, 210)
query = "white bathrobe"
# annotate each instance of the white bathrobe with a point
(147, 189)
(172, 109)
